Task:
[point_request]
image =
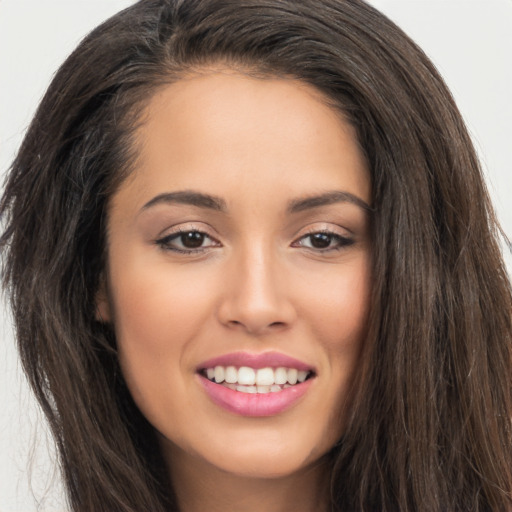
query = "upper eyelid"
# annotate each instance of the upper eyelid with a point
(186, 227)
(209, 231)
(178, 232)
(322, 227)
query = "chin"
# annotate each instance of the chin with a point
(257, 456)
(263, 466)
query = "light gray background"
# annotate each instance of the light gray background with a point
(470, 41)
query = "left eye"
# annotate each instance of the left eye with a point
(323, 241)
(186, 241)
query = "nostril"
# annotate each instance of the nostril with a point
(256, 328)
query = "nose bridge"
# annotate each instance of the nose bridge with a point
(256, 296)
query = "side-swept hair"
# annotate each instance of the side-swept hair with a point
(430, 427)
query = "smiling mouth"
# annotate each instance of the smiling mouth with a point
(251, 380)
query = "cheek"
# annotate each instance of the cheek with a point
(156, 315)
(154, 306)
(338, 305)
(339, 316)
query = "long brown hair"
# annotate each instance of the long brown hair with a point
(431, 424)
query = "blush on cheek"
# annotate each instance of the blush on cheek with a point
(343, 305)
(154, 309)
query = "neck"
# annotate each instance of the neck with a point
(200, 486)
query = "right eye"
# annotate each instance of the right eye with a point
(187, 241)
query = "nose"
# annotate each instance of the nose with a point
(256, 296)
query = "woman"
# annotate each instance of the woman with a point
(278, 197)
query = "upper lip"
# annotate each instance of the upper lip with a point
(262, 360)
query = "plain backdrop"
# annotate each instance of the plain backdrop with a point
(470, 41)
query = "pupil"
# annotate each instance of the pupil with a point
(320, 240)
(192, 239)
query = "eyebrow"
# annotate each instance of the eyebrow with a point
(201, 200)
(306, 203)
(189, 197)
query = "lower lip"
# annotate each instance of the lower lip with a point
(254, 404)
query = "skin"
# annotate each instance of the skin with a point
(256, 283)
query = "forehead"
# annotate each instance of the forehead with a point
(222, 131)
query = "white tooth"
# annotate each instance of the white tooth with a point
(287, 386)
(301, 376)
(247, 389)
(231, 374)
(292, 376)
(265, 377)
(246, 376)
(275, 388)
(219, 374)
(230, 386)
(210, 373)
(281, 376)
(263, 389)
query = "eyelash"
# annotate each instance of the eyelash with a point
(341, 241)
(166, 242)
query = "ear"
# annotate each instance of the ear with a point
(103, 310)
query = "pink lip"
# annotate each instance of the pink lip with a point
(257, 404)
(263, 360)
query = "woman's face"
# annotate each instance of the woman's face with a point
(238, 260)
